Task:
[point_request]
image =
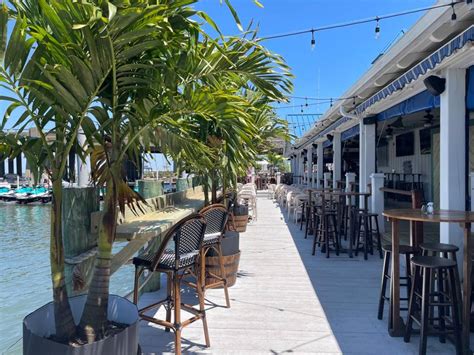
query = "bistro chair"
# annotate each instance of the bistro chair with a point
(216, 217)
(177, 256)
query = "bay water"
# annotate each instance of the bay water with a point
(25, 282)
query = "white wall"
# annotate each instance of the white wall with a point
(421, 163)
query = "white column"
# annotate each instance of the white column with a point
(453, 153)
(362, 181)
(336, 159)
(309, 165)
(350, 178)
(278, 177)
(301, 168)
(376, 199)
(319, 164)
(252, 178)
(367, 166)
(327, 177)
(83, 167)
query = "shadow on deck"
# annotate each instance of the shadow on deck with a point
(289, 301)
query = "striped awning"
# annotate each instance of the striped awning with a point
(349, 133)
(420, 69)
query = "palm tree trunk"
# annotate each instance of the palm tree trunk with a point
(64, 321)
(205, 188)
(213, 187)
(94, 318)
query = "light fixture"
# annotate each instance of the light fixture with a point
(453, 15)
(313, 41)
(377, 29)
(330, 137)
(389, 132)
(428, 122)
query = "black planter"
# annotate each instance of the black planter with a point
(40, 324)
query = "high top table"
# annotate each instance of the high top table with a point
(464, 219)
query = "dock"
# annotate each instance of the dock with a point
(289, 301)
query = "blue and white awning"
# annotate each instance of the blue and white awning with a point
(349, 133)
(420, 69)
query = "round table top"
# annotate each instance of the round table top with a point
(416, 215)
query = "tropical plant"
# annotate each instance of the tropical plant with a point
(239, 80)
(128, 74)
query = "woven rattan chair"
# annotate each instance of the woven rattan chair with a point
(177, 256)
(216, 216)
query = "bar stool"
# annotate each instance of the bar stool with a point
(216, 216)
(326, 230)
(365, 220)
(177, 256)
(447, 251)
(445, 298)
(408, 252)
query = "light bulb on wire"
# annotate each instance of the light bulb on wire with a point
(453, 15)
(377, 30)
(313, 41)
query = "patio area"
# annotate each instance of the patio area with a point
(289, 301)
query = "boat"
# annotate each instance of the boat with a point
(26, 195)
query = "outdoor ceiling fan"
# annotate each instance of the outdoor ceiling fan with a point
(398, 123)
(428, 119)
(389, 132)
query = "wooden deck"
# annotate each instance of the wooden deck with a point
(288, 301)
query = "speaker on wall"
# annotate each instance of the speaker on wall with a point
(435, 85)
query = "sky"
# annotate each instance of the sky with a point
(340, 56)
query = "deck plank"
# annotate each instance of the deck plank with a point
(286, 300)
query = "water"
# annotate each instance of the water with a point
(25, 272)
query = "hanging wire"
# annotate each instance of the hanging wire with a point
(362, 21)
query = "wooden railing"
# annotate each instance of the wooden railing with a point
(416, 228)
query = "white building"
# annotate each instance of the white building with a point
(410, 116)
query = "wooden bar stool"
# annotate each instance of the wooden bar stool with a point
(326, 230)
(408, 252)
(445, 298)
(367, 227)
(443, 250)
(177, 256)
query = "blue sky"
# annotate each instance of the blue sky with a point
(340, 57)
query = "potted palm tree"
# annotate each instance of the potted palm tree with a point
(101, 67)
(74, 66)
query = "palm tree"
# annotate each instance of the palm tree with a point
(54, 72)
(128, 74)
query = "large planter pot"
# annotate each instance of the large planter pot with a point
(40, 324)
(238, 219)
(231, 256)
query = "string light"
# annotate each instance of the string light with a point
(363, 21)
(377, 29)
(453, 15)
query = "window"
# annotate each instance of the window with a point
(405, 144)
